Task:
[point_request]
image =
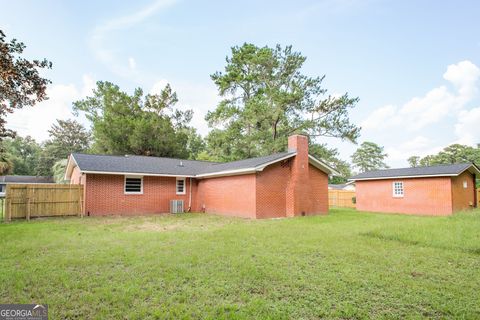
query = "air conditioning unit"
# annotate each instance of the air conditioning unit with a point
(176, 206)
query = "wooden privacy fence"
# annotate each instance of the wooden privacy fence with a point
(43, 200)
(478, 198)
(341, 198)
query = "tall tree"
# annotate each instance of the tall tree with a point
(25, 153)
(266, 98)
(455, 153)
(136, 124)
(66, 136)
(20, 81)
(369, 156)
(6, 163)
(331, 157)
(414, 161)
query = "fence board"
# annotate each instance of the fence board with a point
(341, 198)
(478, 198)
(43, 200)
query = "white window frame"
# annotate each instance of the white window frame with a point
(125, 184)
(394, 189)
(184, 186)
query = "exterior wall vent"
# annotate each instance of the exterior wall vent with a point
(176, 206)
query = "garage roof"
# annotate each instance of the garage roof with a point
(417, 172)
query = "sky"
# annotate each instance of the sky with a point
(415, 65)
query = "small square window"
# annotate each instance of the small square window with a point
(133, 185)
(397, 189)
(465, 185)
(180, 186)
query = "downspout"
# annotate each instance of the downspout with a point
(190, 197)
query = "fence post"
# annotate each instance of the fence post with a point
(28, 203)
(9, 205)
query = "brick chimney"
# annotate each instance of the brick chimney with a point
(298, 189)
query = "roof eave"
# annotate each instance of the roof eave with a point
(405, 177)
(71, 164)
(145, 174)
(322, 166)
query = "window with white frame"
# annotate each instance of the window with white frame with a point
(397, 189)
(181, 186)
(133, 185)
(465, 184)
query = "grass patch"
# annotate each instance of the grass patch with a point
(344, 265)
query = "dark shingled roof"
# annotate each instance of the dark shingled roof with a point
(26, 179)
(446, 170)
(167, 166)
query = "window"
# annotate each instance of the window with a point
(180, 185)
(398, 189)
(133, 185)
(465, 184)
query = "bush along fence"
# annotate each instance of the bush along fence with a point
(341, 198)
(42, 200)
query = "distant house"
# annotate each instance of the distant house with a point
(284, 184)
(349, 186)
(436, 190)
(5, 180)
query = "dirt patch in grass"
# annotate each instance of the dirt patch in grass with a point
(151, 226)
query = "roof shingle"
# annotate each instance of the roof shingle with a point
(166, 166)
(445, 170)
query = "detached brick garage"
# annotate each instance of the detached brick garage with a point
(436, 190)
(285, 184)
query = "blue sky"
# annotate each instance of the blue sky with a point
(414, 64)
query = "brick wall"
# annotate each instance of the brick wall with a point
(299, 201)
(271, 189)
(105, 195)
(229, 196)
(426, 196)
(318, 191)
(463, 198)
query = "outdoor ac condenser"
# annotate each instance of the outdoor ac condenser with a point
(176, 206)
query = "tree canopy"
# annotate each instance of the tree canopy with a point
(455, 153)
(138, 124)
(369, 156)
(20, 81)
(332, 157)
(66, 136)
(266, 98)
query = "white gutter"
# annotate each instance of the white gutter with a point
(407, 177)
(138, 174)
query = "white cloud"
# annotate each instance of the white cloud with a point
(198, 97)
(35, 121)
(434, 106)
(418, 146)
(101, 34)
(463, 76)
(132, 63)
(467, 128)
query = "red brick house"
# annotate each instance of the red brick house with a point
(436, 190)
(284, 184)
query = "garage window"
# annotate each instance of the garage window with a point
(133, 185)
(398, 189)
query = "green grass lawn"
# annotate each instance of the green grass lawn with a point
(344, 265)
